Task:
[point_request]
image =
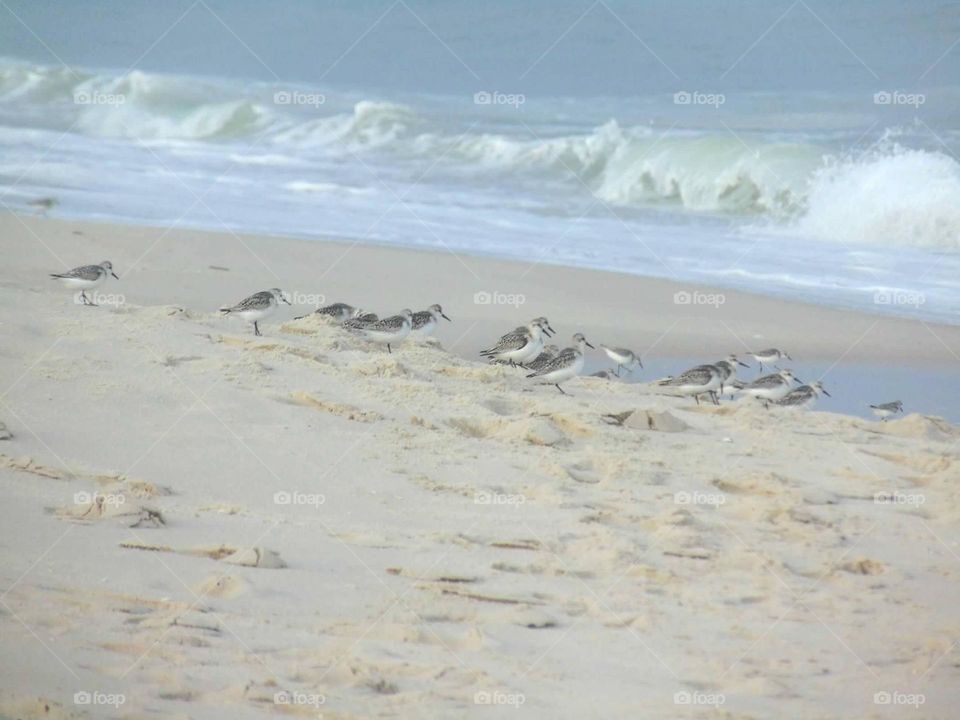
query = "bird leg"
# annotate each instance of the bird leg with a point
(256, 328)
(560, 389)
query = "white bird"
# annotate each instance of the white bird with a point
(86, 277)
(728, 371)
(258, 306)
(803, 396)
(426, 321)
(387, 331)
(567, 364)
(523, 343)
(701, 380)
(770, 356)
(624, 358)
(770, 388)
(886, 410)
(338, 312)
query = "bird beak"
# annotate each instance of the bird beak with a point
(589, 345)
(285, 300)
(788, 357)
(798, 381)
(552, 331)
(114, 274)
(445, 317)
(827, 394)
(640, 363)
(742, 364)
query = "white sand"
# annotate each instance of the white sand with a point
(479, 538)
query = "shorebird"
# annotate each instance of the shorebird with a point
(387, 331)
(43, 205)
(770, 388)
(701, 380)
(548, 353)
(770, 356)
(887, 409)
(257, 307)
(86, 277)
(624, 358)
(426, 321)
(338, 312)
(523, 343)
(567, 364)
(728, 371)
(803, 396)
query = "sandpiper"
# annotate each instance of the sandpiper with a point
(523, 343)
(803, 396)
(567, 364)
(338, 312)
(548, 353)
(257, 307)
(886, 410)
(389, 330)
(728, 371)
(86, 277)
(701, 380)
(625, 359)
(770, 356)
(770, 388)
(426, 321)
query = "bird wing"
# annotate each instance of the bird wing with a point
(84, 272)
(254, 302)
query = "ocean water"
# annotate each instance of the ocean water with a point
(802, 150)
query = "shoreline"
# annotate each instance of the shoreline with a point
(626, 309)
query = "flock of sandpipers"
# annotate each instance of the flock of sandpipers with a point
(524, 347)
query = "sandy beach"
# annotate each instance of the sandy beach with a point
(198, 522)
